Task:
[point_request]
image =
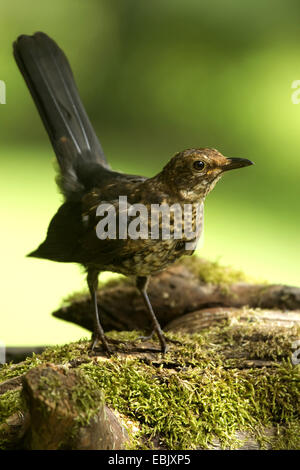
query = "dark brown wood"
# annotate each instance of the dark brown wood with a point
(19, 353)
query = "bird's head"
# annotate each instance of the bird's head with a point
(193, 173)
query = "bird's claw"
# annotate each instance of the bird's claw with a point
(146, 338)
(101, 339)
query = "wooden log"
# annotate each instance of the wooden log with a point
(67, 411)
(197, 321)
(174, 292)
(250, 344)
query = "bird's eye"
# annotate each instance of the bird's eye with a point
(198, 165)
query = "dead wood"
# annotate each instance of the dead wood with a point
(174, 292)
(60, 411)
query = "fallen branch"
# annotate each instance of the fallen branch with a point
(174, 292)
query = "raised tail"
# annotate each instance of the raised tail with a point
(50, 80)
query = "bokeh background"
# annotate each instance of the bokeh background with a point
(156, 77)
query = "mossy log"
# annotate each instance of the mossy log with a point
(59, 408)
(185, 287)
(228, 382)
(230, 379)
(67, 411)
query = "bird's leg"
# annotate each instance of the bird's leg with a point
(98, 334)
(92, 280)
(141, 283)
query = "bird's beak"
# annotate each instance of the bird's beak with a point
(233, 163)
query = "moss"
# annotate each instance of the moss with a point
(287, 438)
(255, 339)
(87, 398)
(199, 400)
(200, 392)
(212, 272)
(10, 402)
(81, 393)
(8, 371)
(67, 393)
(54, 354)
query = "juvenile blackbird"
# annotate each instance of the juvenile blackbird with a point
(87, 181)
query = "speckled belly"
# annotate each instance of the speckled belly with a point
(156, 256)
(143, 257)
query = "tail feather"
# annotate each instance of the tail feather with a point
(50, 80)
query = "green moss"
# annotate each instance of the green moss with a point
(201, 399)
(8, 371)
(211, 272)
(54, 354)
(87, 398)
(255, 339)
(287, 438)
(10, 402)
(82, 393)
(200, 392)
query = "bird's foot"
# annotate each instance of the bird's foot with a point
(161, 338)
(97, 337)
(175, 341)
(147, 337)
(107, 341)
(168, 340)
(163, 345)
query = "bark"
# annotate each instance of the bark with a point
(196, 321)
(51, 417)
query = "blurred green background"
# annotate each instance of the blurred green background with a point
(156, 77)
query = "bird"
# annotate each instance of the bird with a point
(91, 187)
